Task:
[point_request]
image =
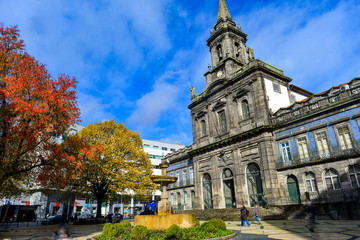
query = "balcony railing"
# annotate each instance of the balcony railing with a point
(334, 154)
(184, 183)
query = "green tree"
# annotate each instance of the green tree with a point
(113, 163)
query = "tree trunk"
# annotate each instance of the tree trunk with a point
(98, 208)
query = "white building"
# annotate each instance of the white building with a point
(157, 150)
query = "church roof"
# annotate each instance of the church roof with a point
(223, 12)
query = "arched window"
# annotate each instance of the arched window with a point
(222, 122)
(332, 179)
(203, 128)
(245, 109)
(237, 49)
(219, 52)
(354, 175)
(254, 182)
(310, 182)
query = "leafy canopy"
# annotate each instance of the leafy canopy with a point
(33, 108)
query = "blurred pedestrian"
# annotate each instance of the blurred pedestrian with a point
(264, 202)
(241, 208)
(257, 213)
(244, 217)
(62, 234)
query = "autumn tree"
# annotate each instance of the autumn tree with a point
(34, 107)
(114, 163)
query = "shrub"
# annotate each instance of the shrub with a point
(139, 232)
(208, 227)
(218, 223)
(112, 231)
(106, 228)
(126, 224)
(173, 232)
(197, 223)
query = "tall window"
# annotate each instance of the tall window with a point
(322, 144)
(354, 175)
(245, 109)
(303, 148)
(344, 138)
(310, 182)
(191, 174)
(332, 180)
(285, 151)
(178, 178)
(185, 198)
(172, 199)
(222, 122)
(203, 128)
(184, 176)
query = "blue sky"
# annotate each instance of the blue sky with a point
(135, 61)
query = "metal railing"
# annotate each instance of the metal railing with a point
(334, 154)
(184, 183)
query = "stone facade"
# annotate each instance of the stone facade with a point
(240, 120)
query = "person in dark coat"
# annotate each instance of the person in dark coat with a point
(244, 217)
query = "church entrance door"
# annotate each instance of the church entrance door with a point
(207, 191)
(229, 192)
(255, 188)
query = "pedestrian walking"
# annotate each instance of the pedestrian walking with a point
(264, 202)
(241, 208)
(257, 213)
(244, 216)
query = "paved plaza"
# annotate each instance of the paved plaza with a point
(289, 229)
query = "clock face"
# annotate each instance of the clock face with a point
(219, 74)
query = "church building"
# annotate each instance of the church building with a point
(257, 137)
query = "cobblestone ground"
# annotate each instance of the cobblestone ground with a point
(298, 229)
(290, 229)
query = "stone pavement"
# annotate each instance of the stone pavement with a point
(280, 229)
(298, 229)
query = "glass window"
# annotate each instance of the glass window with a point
(310, 182)
(146, 145)
(184, 176)
(344, 138)
(172, 199)
(354, 175)
(322, 144)
(285, 151)
(222, 122)
(203, 128)
(185, 197)
(158, 157)
(245, 109)
(303, 148)
(276, 88)
(155, 147)
(172, 149)
(191, 175)
(164, 148)
(332, 180)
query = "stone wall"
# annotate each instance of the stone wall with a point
(323, 211)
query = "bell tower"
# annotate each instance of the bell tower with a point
(226, 43)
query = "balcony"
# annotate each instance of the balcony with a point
(180, 184)
(333, 155)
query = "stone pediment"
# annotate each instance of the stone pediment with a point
(200, 114)
(241, 93)
(219, 104)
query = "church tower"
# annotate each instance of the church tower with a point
(227, 46)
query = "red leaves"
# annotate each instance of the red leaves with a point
(33, 108)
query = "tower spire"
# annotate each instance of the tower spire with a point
(223, 12)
